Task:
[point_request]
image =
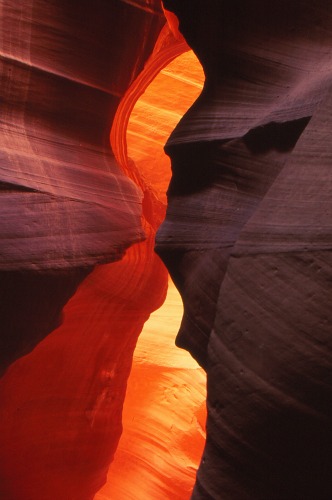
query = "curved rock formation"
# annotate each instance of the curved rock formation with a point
(66, 204)
(67, 207)
(247, 239)
(69, 213)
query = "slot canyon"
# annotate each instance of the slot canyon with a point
(165, 250)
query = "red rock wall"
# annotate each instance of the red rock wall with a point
(66, 204)
(67, 207)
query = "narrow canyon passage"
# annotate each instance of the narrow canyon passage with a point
(164, 410)
(163, 417)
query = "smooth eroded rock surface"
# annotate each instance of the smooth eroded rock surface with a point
(73, 299)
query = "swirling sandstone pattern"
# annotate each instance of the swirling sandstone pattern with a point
(66, 204)
(248, 240)
(66, 207)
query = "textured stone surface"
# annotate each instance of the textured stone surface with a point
(62, 78)
(65, 202)
(247, 239)
(66, 206)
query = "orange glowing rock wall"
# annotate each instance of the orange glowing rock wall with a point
(164, 411)
(68, 214)
(163, 417)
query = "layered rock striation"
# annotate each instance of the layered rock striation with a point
(66, 204)
(73, 295)
(247, 239)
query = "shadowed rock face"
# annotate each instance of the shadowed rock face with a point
(248, 238)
